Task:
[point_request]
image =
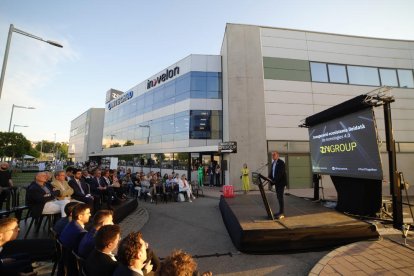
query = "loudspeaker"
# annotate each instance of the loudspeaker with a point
(224, 165)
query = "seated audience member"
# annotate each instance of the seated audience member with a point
(127, 181)
(132, 255)
(101, 218)
(73, 232)
(101, 261)
(81, 190)
(49, 177)
(145, 186)
(86, 176)
(100, 187)
(62, 222)
(60, 184)
(137, 184)
(169, 182)
(17, 264)
(116, 185)
(180, 263)
(69, 173)
(5, 182)
(184, 186)
(154, 182)
(41, 197)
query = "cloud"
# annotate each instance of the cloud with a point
(32, 66)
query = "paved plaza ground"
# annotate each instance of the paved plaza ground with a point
(198, 229)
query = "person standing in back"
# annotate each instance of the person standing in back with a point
(245, 178)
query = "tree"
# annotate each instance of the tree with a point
(33, 152)
(13, 144)
(61, 149)
(45, 146)
(115, 145)
(128, 143)
(64, 150)
(160, 157)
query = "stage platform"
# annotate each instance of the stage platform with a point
(307, 225)
(123, 209)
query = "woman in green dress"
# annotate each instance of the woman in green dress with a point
(245, 178)
(200, 173)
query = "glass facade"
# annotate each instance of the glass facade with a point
(361, 75)
(189, 124)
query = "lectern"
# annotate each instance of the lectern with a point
(261, 180)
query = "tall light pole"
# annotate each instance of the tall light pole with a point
(17, 106)
(6, 52)
(18, 126)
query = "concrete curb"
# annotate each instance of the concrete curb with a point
(135, 221)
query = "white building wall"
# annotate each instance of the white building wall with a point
(287, 103)
(86, 134)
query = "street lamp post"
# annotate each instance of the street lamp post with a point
(6, 52)
(17, 106)
(18, 126)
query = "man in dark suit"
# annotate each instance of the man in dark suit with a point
(41, 197)
(101, 188)
(98, 184)
(74, 231)
(101, 261)
(81, 190)
(87, 244)
(72, 235)
(278, 176)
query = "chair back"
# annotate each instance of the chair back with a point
(80, 261)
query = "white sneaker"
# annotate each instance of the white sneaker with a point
(190, 200)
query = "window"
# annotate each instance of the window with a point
(182, 84)
(213, 83)
(319, 72)
(406, 78)
(388, 77)
(337, 73)
(198, 83)
(363, 75)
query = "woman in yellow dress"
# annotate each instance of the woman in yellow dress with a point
(245, 178)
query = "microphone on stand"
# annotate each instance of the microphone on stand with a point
(262, 167)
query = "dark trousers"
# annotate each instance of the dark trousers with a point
(212, 176)
(217, 179)
(280, 190)
(4, 196)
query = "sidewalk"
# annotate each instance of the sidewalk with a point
(367, 258)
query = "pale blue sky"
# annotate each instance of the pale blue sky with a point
(118, 44)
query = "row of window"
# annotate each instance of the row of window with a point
(175, 161)
(192, 124)
(195, 85)
(361, 75)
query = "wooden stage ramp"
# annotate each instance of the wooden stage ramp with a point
(307, 225)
